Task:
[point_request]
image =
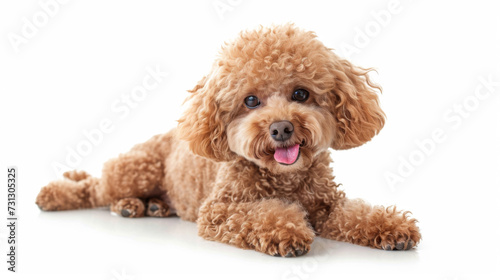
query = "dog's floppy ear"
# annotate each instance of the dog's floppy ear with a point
(355, 106)
(203, 124)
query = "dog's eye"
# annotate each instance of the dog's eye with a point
(300, 95)
(252, 102)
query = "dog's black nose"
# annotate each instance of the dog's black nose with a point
(281, 130)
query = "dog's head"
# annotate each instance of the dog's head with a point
(278, 97)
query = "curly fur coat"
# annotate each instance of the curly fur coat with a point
(249, 160)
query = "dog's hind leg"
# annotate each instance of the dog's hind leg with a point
(77, 191)
(134, 175)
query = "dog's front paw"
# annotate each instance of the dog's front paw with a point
(289, 241)
(399, 233)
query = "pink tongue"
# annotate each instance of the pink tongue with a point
(287, 155)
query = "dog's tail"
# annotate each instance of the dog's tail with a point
(78, 190)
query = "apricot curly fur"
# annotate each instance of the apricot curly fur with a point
(218, 166)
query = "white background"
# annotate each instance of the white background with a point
(64, 78)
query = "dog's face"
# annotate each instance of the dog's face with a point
(278, 97)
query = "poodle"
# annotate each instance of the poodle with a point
(249, 160)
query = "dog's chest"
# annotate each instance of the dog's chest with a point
(243, 182)
(297, 187)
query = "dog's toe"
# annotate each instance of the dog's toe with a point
(125, 213)
(300, 252)
(293, 252)
(153, 208)
(404, 245)
(409, 245)
(399, 246)
(157, 208)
